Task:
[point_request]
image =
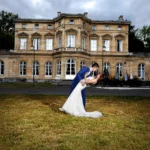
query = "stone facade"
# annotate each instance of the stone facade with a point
(61, 46)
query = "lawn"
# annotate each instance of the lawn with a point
(33, 122)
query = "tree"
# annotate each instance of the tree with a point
(7, 27)
(144, 35)
(135, 44)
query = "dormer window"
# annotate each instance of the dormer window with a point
(119, 28)
(23, 26)
(106, 27)
(93, 27)
(36, 26)
(49, 26)
(71, 22)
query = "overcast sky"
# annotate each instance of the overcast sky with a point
(137, 11)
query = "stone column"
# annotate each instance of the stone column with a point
(77, 65)
(63, 38)
(55, 41)
(113, 45)
(42, 43)
(42, 68)
(29, 43)
(78, 38)
(87, 42)
(63, 68)
(54, 69)
(17, 42)
(99, 43)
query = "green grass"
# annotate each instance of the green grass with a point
(33, 122)
(24, 85)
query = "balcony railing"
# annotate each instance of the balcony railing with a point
(70, 49)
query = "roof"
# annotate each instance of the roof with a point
(63, 15)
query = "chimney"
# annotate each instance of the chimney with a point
(121, 18)
(58, 13)
(86, 14)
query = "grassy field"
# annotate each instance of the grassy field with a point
(33, 122)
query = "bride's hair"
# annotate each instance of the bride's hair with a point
(100, 77)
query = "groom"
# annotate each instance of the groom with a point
(80, 75)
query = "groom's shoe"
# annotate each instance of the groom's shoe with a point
(61, 109)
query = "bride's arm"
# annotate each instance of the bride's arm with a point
(93, 81)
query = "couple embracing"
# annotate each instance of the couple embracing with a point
(76, 102)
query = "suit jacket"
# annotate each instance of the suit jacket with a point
(79, 77)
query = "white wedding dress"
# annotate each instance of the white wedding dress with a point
(74, 104)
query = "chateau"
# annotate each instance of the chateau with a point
(58, 48)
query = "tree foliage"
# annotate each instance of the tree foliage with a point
(7, 27)
(135, 44)
(144, 35)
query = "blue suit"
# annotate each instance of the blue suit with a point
(77, 79)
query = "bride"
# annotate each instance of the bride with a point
(74, 104)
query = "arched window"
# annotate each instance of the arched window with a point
(48, 69)
(141, 71)
(35, 68)
(22, 68)
(119, 69)
(1, 67)
(106, 67)
(70, 67)
(82, 64)
(58, 67)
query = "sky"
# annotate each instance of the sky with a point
(136, 11)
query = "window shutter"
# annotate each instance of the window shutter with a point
(121, 45)
(73, 41)
(38, 44)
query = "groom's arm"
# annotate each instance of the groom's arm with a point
(82, 72)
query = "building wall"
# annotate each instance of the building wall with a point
(82, 27)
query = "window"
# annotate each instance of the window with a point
(106, 67)
(106, 27)
(93, 27)
(119, 28)
(119, 70)
(59, 23)
(48, 69)
(1, 68)
(58, 67)
(23, 26)
(119, 45)
(107, 45)
(71, 22)
(93, 45)
(49, 26)
(83, 24)
(82, 64)
(23, 43)
(141, 71)
(71, 40)
(36, 43)
(23, 68)
(36, 26)
(49, 44)
(83, 42)
(59, 42)
(35, 68)
(70, 67)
